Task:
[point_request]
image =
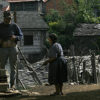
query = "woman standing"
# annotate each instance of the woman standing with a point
(57, 65)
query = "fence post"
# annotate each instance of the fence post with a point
(75, 76)
(94, 74)
(83, 74)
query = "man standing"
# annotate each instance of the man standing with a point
(10, 34)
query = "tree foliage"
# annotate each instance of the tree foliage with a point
(86, 11)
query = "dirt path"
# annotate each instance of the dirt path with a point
(71, 92)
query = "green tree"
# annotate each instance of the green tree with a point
(86, 11)
(52, 16)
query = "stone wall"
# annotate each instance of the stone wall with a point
(42, 71)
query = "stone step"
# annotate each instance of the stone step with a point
(10, 94)
(4, 87)
(3, 76)
(3, 72)
(3, 80)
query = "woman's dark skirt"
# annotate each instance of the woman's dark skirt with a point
(58, 71)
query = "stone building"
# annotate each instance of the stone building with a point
(34, 29)
(86, 38)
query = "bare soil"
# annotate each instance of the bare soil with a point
(71, 92)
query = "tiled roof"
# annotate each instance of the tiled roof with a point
(87, 30)
(21, 0)
(30, 20)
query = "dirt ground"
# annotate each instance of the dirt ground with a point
(71, 92)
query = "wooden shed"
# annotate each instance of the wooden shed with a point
(86, 38)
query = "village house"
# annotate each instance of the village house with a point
(86, 38)
(27, 14)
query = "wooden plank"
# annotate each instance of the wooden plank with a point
(8, 94)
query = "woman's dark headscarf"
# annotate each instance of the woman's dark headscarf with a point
(53, 37)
